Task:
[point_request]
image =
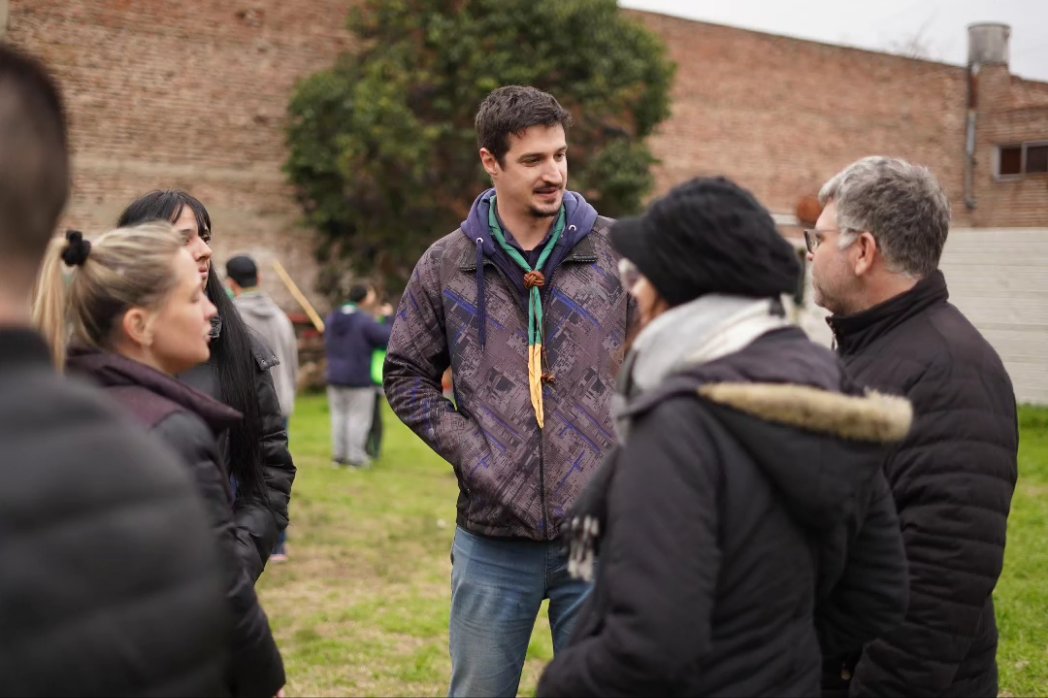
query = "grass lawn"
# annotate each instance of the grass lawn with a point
(361, 607)
(1022, 594)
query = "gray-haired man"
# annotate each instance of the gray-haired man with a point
(875, 254)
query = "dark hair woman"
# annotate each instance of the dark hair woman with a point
(237, 374)
(130, 308)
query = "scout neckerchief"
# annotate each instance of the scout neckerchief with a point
(533, 281)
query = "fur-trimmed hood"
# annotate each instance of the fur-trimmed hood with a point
(872, 417)
(815, 434)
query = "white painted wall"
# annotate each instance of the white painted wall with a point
(999, 279)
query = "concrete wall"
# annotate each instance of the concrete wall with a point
(997, 278)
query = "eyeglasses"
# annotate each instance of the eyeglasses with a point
(629, 274)
(813, 237)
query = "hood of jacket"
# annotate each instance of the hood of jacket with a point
(257, 304)
(579, 217)
(818, 437)
(112, 370)
(342, 320)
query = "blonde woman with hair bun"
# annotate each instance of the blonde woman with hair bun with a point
(128, 311)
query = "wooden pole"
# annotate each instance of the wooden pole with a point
(302, 300)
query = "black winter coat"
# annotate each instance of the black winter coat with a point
(258, 522)
(109, 577)
(745, 521)
(952, 480)
(188, 420)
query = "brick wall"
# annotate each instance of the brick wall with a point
(193, 95)
(782, 115)
(189, 95)
(1011, 111)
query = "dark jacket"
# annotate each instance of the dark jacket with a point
(109, 576)
(351, 337)
(258, 522)
(952, 480)
(515, 480)
(188, 422)
(743, 522)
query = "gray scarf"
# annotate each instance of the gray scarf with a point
(705, 329)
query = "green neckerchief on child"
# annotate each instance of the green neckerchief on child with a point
(533, 281)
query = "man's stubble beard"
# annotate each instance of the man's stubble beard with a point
(539, 213)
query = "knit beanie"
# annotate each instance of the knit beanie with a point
(708, 235)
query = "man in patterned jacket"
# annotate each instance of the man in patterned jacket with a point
(524, 303)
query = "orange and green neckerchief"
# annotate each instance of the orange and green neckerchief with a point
(533, 281)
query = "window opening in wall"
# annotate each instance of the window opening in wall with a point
(1014, 161)
(1037, 158)
(1011, 161)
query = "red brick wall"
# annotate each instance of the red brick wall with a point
(1012, 111)
(193, 95)
(782, 115)
(190, 95)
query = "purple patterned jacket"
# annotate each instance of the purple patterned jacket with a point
(515, 480)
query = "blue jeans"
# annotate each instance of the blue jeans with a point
(497, 587)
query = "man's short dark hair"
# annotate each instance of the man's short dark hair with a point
(513, 109)
(34, 157)
(243, 270)
(358, 292)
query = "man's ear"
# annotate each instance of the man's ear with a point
(137, 326)
(489, 161)
(866, 252)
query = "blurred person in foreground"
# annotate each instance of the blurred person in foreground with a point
(254, 449)
(136, 316)
(874, 257)
(109, 581)
(743, 525)
(524, 304)
(268, 321)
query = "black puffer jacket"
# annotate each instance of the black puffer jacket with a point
(109, 577)
(952, 480)
(258, 522)
(187, 420)
(745, 520)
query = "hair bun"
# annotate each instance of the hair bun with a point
(77, 249)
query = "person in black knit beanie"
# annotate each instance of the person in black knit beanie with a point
(743, 526)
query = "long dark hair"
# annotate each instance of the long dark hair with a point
(232, 354)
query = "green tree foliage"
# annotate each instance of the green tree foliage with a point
(383, 152)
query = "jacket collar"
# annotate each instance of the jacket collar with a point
(583, 253)
(854, 332)
(114, 370)
(21, 346)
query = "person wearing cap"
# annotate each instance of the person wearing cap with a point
(874, 257)
(261, 313)
(274, 328)
(523, 303)
(743, 525)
